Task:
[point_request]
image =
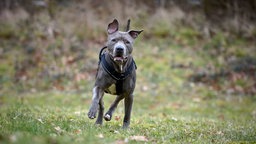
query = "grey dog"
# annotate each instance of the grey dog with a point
(116, 74)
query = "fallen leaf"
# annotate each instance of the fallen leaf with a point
(139, 138)
(144, 88)
(78, 131)
(126, 140)
(100, 136)
(78, 112)
(220, 133)
(40, 120)
(117, 118)
(176, 105)
(174, 119)
(119, 142)
(58, 129)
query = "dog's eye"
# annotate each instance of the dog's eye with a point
(114, 40)
(127, 42)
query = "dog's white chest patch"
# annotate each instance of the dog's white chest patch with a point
(112, 89)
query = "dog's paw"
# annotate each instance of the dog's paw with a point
(98, 123)
(92, 113)
(107, 117)
(126, 125)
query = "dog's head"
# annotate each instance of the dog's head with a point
(120, 43)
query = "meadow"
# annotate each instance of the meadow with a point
(190, 88)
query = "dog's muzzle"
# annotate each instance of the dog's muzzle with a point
(119, 53)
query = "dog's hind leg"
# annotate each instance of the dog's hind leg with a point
(112, 108)
(101, 112)
(128, 101)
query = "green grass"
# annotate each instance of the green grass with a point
(192, 115)
(167, 108)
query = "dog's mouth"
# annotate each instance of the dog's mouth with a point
(119, 58)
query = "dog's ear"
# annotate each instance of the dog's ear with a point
(134, 34)
(113, 27)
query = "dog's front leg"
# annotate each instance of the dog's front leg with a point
(97, 95)
(100, 113)
(112, 108)
(128, 108)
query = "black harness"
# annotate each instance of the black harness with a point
(119, 77)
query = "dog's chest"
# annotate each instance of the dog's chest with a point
(111, 89)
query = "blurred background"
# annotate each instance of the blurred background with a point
(187, 47)
(196, 71)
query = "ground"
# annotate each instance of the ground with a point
(167, 109)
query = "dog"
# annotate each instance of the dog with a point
(116, 74)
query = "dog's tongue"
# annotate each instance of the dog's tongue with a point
(118, 58)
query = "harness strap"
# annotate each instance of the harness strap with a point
(100, 54)
(113, 73)
(119, 77)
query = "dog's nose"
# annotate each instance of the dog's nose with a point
(119, 49)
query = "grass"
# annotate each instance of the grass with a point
(53, 117)
(167, 109)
